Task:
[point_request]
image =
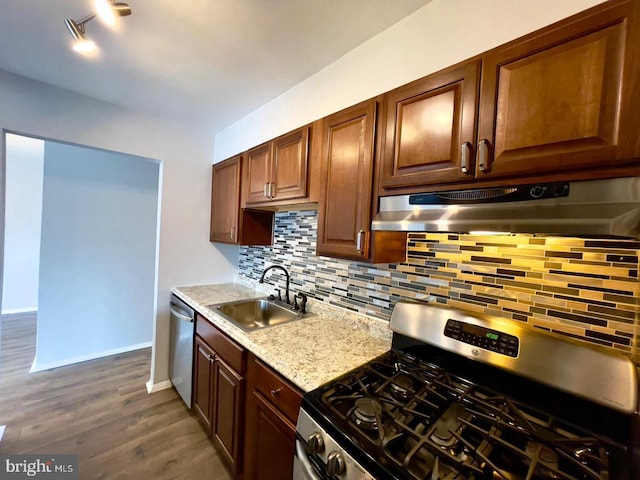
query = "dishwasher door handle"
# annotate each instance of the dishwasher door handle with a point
(182, 315)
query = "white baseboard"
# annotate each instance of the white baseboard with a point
(83, 358)
(17, 311)
(156, 387)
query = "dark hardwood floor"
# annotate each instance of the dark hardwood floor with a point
(99, 410)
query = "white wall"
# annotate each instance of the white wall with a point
(440, 34)
(186, 256)
(23, 211)
(98, 254)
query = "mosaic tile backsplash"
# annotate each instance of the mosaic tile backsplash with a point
(580, 287)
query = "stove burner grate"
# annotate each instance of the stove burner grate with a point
(433, 425)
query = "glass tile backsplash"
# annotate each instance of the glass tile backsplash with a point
(583, 288)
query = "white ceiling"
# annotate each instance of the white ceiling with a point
(205, 61)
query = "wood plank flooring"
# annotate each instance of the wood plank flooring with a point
(99, 410)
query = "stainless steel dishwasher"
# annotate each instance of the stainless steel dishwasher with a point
(181, 347)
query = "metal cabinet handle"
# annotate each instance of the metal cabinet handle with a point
(274, 393)
(265, 190)
(212, 358)
(465, 153)
(272, 187)
(483, 155)
(359, 241)
(233, 233)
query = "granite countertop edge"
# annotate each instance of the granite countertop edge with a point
(308, 352)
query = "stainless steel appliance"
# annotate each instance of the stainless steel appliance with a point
(468, 396)
(593, 207)
(181, 347)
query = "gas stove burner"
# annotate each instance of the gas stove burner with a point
(400, 388)
(442, 432)
(546, 458)
(542, 452)
(366, 414)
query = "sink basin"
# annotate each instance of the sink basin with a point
(256, 313)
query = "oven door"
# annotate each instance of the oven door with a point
(331, 459)
(302, 467)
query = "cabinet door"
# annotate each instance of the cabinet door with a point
(272, 443)
(560, 100)
(430, 129)
(346, 182)
(203, 383)
(225, 200)
(227, 407)
(290, 159)
(258, 173)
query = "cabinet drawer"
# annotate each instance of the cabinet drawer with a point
(277, 391)
(232, 353)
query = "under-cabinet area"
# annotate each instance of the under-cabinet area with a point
(555, 105)
(248, 386)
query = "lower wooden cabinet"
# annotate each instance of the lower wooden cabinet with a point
(219, 366)
(228, 399)
(270, 428)
(249, 411)
(204, 379)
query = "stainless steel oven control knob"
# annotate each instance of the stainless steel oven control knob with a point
(315, 443)
(335, 464)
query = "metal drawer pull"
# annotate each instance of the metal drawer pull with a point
(212, 358)
(233, 233)
(483, 155)
(272, 186)
(274, 393)
(359, 241)
(464, 157)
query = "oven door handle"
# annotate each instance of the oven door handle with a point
(305, 464)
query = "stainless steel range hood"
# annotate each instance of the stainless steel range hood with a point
(608, 207)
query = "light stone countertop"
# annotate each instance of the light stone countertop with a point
(310, 351)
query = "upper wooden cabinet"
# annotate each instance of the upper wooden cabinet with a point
(344, 212)
(225, 200)
(278, 170)
(344, 217)
(431, 128)
(230, 223)
(555, 102)
(563, 98)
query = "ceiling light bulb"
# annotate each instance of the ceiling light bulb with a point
(105, 12)
(84, 46)
(108, 11)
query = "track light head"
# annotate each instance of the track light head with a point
(108, 11)
(81, 43)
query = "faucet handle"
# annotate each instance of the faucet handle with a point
(303, 302)
(279, 294)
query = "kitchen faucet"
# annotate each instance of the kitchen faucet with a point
(286, 294)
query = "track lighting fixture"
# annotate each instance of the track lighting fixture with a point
(81, 43)
(108, 11)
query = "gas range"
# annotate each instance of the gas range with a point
(466, 396)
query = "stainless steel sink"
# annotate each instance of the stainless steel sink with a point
(256, 313)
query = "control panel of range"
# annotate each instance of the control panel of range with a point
(492, 340)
